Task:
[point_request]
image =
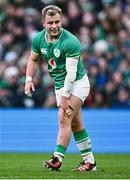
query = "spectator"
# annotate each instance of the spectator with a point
(103, 28)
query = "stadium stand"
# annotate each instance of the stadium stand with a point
(103, 28)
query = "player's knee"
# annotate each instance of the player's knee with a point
(63, 121)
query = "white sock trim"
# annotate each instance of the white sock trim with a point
(59, 156)
(89, 158)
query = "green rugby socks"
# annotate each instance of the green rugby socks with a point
(84, 145)
(60, 152)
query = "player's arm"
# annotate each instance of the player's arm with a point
(72, 58)
(30, 73)
(71, 68)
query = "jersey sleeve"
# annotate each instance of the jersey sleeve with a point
(73, 48)
(35, 45)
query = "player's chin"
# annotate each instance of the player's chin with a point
(55, 34)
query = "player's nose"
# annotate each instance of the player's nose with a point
(54, 25)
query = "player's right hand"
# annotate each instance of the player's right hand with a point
(68, 112)
(29, 87)
(65, 106)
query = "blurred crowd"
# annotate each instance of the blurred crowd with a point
(103, 27)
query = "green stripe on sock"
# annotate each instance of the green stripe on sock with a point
(85, 139)
(80, 135)
(86, 151)
(60, 149)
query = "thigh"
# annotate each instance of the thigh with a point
(76, 104)
(75, 101)
(81, 88)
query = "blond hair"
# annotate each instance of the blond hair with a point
(50, 10)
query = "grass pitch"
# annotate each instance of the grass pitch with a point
(29, 166)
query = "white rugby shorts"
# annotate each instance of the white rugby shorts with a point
(80, 89)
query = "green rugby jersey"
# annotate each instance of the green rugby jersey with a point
(55, 54)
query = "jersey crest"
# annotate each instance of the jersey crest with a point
(57, 52)
(52, 63)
